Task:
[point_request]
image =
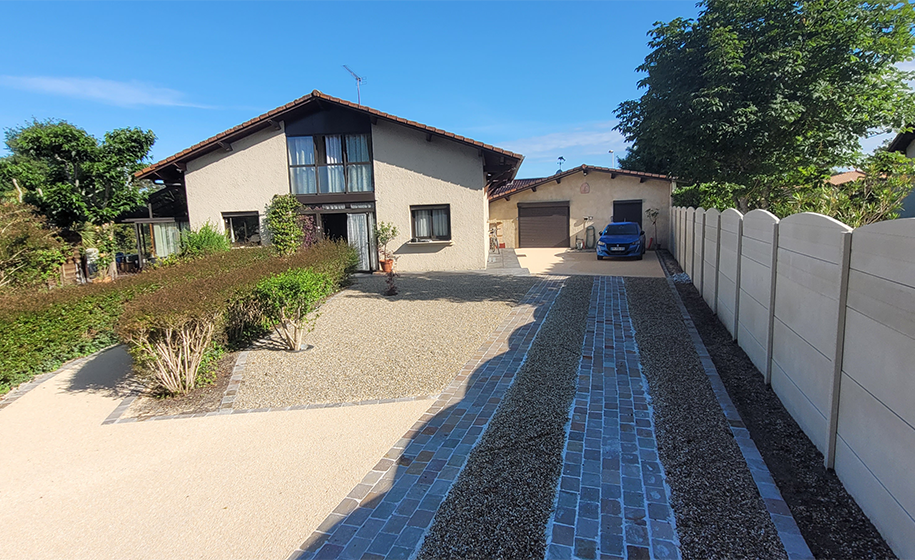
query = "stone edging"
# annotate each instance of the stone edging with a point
(788, 532)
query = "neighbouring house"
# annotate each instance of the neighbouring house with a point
(557, 211)
(350, 166)
(905, 143)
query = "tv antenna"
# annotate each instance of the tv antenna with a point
(359, 80)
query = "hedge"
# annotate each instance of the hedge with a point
(169, 330)
(43, 329)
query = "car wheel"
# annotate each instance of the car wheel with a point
(638, 258)
(600, 258)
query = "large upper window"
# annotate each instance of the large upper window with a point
(431, 223)
(325, 164)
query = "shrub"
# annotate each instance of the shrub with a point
(42, 329)
(290, 300)
(169, 330)
(205, 241)
(30, 252)
(286, 234)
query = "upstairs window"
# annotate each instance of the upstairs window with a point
(326, 164)
(431, 223)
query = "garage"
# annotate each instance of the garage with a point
(543, 224)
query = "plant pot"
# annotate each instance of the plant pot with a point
(387, 265)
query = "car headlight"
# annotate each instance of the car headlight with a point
(601, 244)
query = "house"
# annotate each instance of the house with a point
(905, 143)
(575, 205)
(351, 167)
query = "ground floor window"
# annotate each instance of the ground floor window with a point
(243, 228)
(431, 222)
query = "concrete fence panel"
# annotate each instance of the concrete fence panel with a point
(875, 444)
(698, 247)
(689, 231)
(757, 284)
(710, 258)
(808, 307)
(728, 279)
(675, 233)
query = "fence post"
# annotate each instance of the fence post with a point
(737, 280)
(774, 278)
(717, 264)
(829, 458)
(701, 253)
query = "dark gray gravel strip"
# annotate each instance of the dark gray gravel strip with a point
(718, 509)
(829, 519)
(500, 504)
(788, 532)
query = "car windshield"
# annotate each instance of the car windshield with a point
(622, 229)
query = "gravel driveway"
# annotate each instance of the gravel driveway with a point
(369, 346)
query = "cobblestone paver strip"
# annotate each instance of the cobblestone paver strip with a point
(612, 500)
(390, 511)
(788, 531)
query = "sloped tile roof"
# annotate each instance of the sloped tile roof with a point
(263, 121)
(519, 185)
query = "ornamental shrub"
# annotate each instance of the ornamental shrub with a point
(290, 300)
(283, 223)
(205, 241)
(169, 330)
(30, 251)
(42, 329)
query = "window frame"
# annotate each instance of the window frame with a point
(227, 218)
(433, 237)
(320, 153)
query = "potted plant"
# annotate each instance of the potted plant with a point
(385, 232)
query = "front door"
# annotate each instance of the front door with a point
(360, 234)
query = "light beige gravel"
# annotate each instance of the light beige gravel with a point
(236, 486)
(571, 262)
(369, 346)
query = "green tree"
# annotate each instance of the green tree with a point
(75, 179)
(284, 224)
(765, 94)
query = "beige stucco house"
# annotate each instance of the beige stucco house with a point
(351, 167)
(558, 211)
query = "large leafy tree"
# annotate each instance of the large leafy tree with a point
(768, 93)
(74, 179)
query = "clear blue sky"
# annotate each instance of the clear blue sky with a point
(538, 78)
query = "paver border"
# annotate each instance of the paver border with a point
(228, 400)
(787, 529)
(389, 513)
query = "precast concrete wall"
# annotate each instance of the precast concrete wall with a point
(807, 310)
(726, 303)
(827, 314)
(875, 439)
(710, 258)
(698, 247)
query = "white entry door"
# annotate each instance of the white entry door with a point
(360, 233)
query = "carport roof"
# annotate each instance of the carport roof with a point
(519, 185)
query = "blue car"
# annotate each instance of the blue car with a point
(621, 239)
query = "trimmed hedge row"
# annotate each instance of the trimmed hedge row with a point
(168, 331)
(43, 329)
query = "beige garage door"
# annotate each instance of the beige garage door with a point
(543, 225)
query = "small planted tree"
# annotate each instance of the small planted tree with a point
(385, 232)
(652, 214)
(284, 224)
(290, 300)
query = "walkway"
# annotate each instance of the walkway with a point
(612, 500)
